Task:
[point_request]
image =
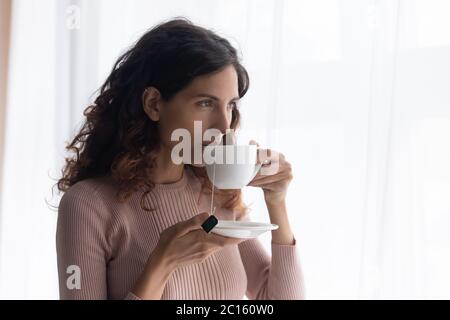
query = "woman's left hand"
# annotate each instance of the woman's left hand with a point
(274, 176)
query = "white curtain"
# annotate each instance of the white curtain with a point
(353, 92)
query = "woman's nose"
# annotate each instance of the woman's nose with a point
(222, 120)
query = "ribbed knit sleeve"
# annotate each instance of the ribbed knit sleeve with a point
(83, 237)
(272, 278)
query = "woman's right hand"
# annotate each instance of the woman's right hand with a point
(182, 244)
(186, 243)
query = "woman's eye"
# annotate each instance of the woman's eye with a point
(210, 103)
(205, 103)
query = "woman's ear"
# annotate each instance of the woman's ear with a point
(151, 102)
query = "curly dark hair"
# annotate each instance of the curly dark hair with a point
(117, 138)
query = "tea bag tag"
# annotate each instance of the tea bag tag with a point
(209, 223)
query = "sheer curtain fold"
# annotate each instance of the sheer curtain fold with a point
(5, 20)
(354, 93)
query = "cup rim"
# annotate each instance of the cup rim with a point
(235, 146)
(248, 156)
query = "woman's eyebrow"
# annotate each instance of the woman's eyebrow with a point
(206, 95)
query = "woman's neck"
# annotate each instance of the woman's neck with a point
(166, 171)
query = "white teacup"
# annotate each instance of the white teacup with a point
(231, 166)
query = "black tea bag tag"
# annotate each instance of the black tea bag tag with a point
(209, 223)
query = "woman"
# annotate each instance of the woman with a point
(129, 223)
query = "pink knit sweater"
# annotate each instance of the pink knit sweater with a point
(109, 242)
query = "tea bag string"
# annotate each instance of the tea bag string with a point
(212, 211)
(228, 139)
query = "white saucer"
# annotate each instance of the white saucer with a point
(242, 229)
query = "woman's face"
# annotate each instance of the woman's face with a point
(209, 99)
